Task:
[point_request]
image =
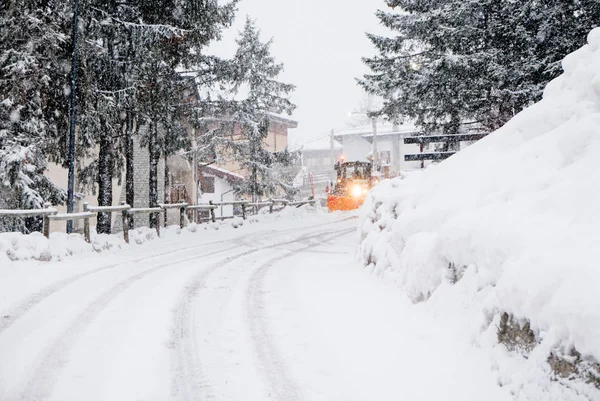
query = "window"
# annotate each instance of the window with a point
(207, 184)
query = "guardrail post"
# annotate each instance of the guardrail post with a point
(46, 222)
(271, 206)
(212, 212)
(165, 216)
(86, 223)
(125, 216)
(244, 211)
(181, 215)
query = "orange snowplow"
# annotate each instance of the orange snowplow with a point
(354, 180)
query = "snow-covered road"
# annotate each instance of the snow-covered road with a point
(279, 312)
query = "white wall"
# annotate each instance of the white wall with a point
(222, 187)
(356, 148)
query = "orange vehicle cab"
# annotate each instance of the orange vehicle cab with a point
(354, 180)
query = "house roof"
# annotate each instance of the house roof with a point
(383, 129)
(283, 120)
(320, 144)
(229, 176)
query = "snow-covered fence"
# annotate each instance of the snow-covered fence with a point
(21, 214)
(70, 217)
(182, 206)
(127, 212)
(246, 204)
(123, 209)
(210, 207)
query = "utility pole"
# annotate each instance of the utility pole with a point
(332, 154)
(71, 183)
(375, 153)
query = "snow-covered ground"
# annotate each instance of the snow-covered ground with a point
(513, 221)
(277, 310)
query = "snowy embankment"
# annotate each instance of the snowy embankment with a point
(510, 226)
(15, 247)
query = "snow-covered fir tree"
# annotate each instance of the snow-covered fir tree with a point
(34, 53)
(240, 127)
(478, 63)
(133, 87)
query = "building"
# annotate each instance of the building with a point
(181, 177)
(318, 159)
(218, 185)
(358, 146)
(216, 181)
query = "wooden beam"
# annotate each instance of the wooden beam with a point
(442, 138)
(428, 156)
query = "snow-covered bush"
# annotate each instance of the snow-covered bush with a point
(513, 219)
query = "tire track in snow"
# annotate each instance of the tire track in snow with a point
(41, 383)
(30, 302)
(283, 388)
(45, 374)
(11, 316)
(189, 382)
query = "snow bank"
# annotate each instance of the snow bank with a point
(514, 216)
(20, 247)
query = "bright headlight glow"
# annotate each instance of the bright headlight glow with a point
(356, 191)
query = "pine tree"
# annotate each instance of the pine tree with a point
(479, 62)
(133, 86)
(33, 49)
(242, 125)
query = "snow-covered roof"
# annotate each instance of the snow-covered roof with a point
(320, 144)
(222, 173)
(283, 120)
(366, 130)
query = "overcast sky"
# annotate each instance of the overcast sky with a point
(321, 43)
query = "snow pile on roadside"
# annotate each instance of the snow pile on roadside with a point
(514, 219)
(34, 246)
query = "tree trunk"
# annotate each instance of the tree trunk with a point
(153, 181)
(166, 191)
(105, 164)
(129, 188)
(453, 145)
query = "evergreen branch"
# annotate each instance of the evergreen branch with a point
(141, 25)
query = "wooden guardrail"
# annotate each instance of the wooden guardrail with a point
(181, 206)
(256, 206)
(436, 156)
(123, 209)
(424, 139)
(49, 214)
(44, 213)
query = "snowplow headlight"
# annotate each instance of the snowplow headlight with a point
(357, 191)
